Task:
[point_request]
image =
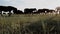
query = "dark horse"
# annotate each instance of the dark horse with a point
(19, 12)
(29, 10)
(43, 10)
(7, 9)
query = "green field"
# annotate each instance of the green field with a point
(30, 24)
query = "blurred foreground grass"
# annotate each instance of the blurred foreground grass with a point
(30, 24)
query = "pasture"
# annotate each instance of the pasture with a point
(30, 24)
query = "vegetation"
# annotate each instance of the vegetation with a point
(30, 24)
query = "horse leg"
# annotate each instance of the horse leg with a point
(1, 13)
(9, 13)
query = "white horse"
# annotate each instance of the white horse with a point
(7, 12)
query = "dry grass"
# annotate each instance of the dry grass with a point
(29, 24)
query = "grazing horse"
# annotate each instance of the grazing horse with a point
(19, 12)
(7, 9)
(42, 11)
(29, 10)
(45, 10)
(51, 11)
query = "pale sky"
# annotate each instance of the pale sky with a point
(21, 4)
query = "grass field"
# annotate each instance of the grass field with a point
(30, 24)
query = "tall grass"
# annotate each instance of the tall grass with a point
(30, 24)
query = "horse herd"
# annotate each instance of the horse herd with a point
(12, 10)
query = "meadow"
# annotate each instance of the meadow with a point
(30, 24)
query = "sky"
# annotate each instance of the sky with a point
(39, 4)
